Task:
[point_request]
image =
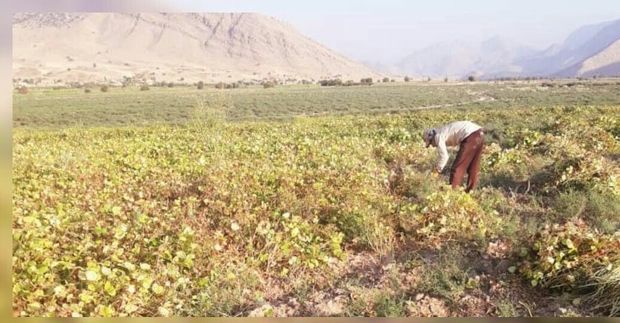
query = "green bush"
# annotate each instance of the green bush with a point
(448, 277)
(603, 211)
(568, 256)
(569, 205)
(388, 306)
(600, 209)
(366, 81)
(448, 215)
(334, 82)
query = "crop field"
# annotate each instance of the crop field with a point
(186, 202)
(177, 105)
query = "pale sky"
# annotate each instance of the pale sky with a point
(385, 30)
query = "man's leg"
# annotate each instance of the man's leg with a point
(461, 162)
(473, 171)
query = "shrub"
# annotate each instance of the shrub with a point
(334, 82)
(569, 205)
(568, 256)
(127, 81)
(386, 79)
(86, 90)
(448, 276)
(471, 78)
(144, 87)
(304, 247)
(222, 85)
(367, 229)
(588, 172)
(200, 85)
(386, 305)
(602, 211)
(104, 88)
(170, 84)
(366, 81)
(407, 79)
(268, 84)
(22, 90)
(447, 215)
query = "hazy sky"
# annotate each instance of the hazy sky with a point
(384, 30)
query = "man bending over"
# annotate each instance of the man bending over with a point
(467, 135)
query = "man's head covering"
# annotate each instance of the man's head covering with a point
(428, 136)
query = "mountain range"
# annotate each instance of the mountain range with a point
(213, 47)
(588, 51)
(188, 47)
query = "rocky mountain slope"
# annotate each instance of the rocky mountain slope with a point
(589, 50)
(213, 47)
(494, 56)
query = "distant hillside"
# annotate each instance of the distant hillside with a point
(589, 50)
(169, 47)
(606, 62)
(581, 47)
(494, 56)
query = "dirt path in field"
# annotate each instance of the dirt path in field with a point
(374, 111)
(449, 105)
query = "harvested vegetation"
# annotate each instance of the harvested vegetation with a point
(317, 216)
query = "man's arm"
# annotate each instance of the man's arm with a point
(443, 156)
